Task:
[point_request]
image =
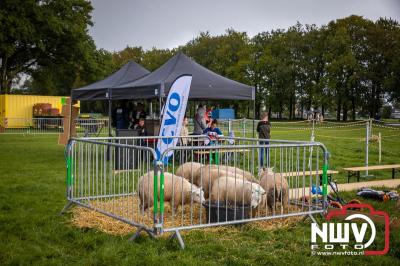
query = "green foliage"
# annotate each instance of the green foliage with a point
(45, 39)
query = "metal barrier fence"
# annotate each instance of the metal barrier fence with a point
(240, 127)
(199, 183)
(99, 126)
(31, 125)
(91, 126)
(52, 125)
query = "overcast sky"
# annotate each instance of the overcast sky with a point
(169, 23)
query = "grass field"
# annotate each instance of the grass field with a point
(32, 192)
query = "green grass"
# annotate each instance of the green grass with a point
(32, 192)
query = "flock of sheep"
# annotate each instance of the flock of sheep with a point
(198, 182)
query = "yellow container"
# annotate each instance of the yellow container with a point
(17, 110)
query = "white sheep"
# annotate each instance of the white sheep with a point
(232, 190)
(177, 190)
(236, 171)
(206, 175)
(276, 187)
(188, 170)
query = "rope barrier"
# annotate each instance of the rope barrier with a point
(357, 129)
(387, 127)
(356, 122)
(288, 131)
(334, 137)
(319, 127)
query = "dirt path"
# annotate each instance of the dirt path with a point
(389, 183)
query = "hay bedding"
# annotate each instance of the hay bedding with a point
(127, 207)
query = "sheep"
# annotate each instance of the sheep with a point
(275, 192)
(206, 175)
(230, 190)
(235, 171)
(177, 190)
(188, 170)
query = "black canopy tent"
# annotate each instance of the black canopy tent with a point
(205, 83)
(156, 85)
(101, 90)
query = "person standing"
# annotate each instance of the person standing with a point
(199, 121)
(208, 115)
(120, 116)
(264, 135)
(140, 113)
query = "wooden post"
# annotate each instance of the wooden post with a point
(69, 114)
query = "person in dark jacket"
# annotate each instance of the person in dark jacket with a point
(120, 116)
(264, 134)
(140, 113)
(140, 127)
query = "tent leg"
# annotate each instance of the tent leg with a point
(109, 117)
(159, 108)
(109, 128)
(254, 115)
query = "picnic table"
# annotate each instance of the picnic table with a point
(91, 127)
(206, 152)
(308, 173)
(355, 171)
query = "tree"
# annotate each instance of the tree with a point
(129, 53)
(37, 37)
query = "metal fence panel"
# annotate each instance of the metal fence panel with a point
(103, 176)
(287, 188)
(85, 127)
(205, 182)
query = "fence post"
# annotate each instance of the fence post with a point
(325, 179)
(70, 175)
(158, 212)
(244, 127)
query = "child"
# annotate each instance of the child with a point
(264, 134)
(213, 128)
(213, 132)
(141, 128)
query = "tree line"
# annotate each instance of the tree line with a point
(349, 67)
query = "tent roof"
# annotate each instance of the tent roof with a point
(205, 83)
(98, 90)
